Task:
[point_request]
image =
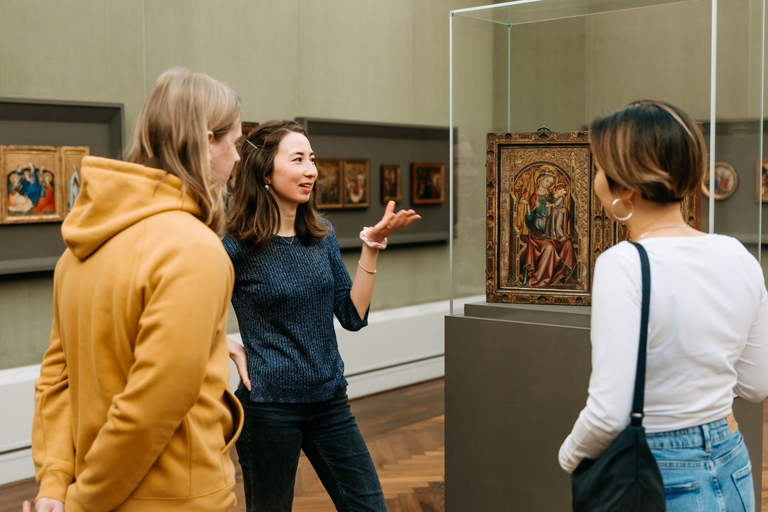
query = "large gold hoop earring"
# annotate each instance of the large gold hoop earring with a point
(629, 215)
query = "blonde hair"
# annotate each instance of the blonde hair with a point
(652, 147)
(172, 129)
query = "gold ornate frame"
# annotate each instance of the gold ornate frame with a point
(732, 176)
(329, 180)
(396, 171)
(71, 160)
(361, 169)
(44, 159)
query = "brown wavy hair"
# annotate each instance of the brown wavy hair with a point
(254, 216)
(171, 130)
(652, 147)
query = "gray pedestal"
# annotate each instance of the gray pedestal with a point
(516, 380)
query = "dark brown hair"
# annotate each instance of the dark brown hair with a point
(652, 147)
(254, 216)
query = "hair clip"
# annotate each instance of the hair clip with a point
(252, 144)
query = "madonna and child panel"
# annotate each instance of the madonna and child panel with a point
(545, 226)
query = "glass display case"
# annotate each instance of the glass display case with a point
(520, 66)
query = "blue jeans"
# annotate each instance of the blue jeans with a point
(704, 468)
(273, 436)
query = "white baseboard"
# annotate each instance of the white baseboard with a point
(17, 403)
(15, 466)
(390, 378)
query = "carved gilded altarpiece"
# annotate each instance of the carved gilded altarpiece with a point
(545, 226)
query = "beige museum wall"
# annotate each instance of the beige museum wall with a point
(347, 59)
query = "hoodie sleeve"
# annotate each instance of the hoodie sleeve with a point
(186, 291)
(53, 448)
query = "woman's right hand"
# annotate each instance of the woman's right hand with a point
(240, 358)
(44, 505)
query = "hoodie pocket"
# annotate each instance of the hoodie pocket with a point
(238, 416)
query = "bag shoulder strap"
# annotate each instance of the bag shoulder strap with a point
(636, 418)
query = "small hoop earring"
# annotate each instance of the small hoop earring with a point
(629, 215)
(266, 186)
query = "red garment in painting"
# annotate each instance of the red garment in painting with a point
(547, 260)
(47, 202)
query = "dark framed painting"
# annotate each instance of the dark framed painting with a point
(247, 127)
(726, 180)
(545, 226)
(71, 160)
(391, 183)
(357, 190)
(33, 190)
(427, 183)
(328, 185)
(762, 181)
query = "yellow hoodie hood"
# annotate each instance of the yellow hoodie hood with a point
(115, 195)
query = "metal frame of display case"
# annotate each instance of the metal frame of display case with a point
(522, 12)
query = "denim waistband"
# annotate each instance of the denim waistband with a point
(703, 436)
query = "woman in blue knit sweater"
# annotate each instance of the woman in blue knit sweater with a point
(289, 282)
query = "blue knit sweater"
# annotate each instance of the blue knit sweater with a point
(285, 299)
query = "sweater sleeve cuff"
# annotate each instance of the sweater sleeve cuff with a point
(348, 316)
(358, 323)
(54, 485)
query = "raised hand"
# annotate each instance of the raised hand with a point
(391, 222)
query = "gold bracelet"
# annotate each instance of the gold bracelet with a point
(362, 267)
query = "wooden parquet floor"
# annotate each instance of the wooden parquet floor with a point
(404, 430)
(410, 462)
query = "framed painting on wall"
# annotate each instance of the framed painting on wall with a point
(427, 183)
(357, 190)
(71, 158)
(328, 185)
(247, 127)
(391, 183)
(762, 181)
(726, 180)
(33, 190)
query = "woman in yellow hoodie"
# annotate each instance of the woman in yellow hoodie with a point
(133, 410)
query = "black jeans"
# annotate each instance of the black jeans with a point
(272, 439)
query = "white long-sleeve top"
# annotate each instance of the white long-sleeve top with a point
(707, 338)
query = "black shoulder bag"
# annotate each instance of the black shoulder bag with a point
(625, 478)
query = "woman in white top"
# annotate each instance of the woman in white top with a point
(708, 325)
